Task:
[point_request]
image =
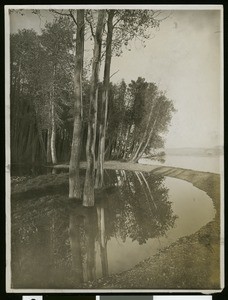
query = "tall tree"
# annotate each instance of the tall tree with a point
(56, 41)
(88, 194)
(74, 178)
(104, 102)
(124, 25)
(147, 104)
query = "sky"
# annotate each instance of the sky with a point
(184, 58)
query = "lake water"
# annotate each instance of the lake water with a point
(57, 243)
(200, 163)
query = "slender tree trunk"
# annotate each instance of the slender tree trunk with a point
(149, 137)
(74, 178)
(149, 190)
(48, 146)
(34, 148)
(89, 223)
(102, 239)
(126, 143)
(88, 196)
(143, 138)
(40, 137)
(104, 105)
(75, 242)
(53, 133)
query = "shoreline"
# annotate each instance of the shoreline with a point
(191, 262)
(209, 182)
(199, 251)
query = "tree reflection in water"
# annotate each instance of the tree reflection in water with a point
(69, 245)
(133, 205)
(86, 229)
(140, 208)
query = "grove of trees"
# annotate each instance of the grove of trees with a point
(61, 109)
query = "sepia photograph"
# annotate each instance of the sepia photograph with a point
(114, 148)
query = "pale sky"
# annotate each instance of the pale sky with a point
(183, 58)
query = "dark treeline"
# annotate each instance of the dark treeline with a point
(61, 111)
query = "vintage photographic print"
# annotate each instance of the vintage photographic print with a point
(114, 148)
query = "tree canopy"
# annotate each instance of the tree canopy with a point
(60, 108)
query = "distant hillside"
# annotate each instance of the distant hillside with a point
(218, 150)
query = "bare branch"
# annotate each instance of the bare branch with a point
(102, 55)
(162, 19)
(60, 13)
(91, 27)
(72, 16)
(114, 73)
(117, 21)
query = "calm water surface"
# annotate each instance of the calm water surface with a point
(57, 243)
